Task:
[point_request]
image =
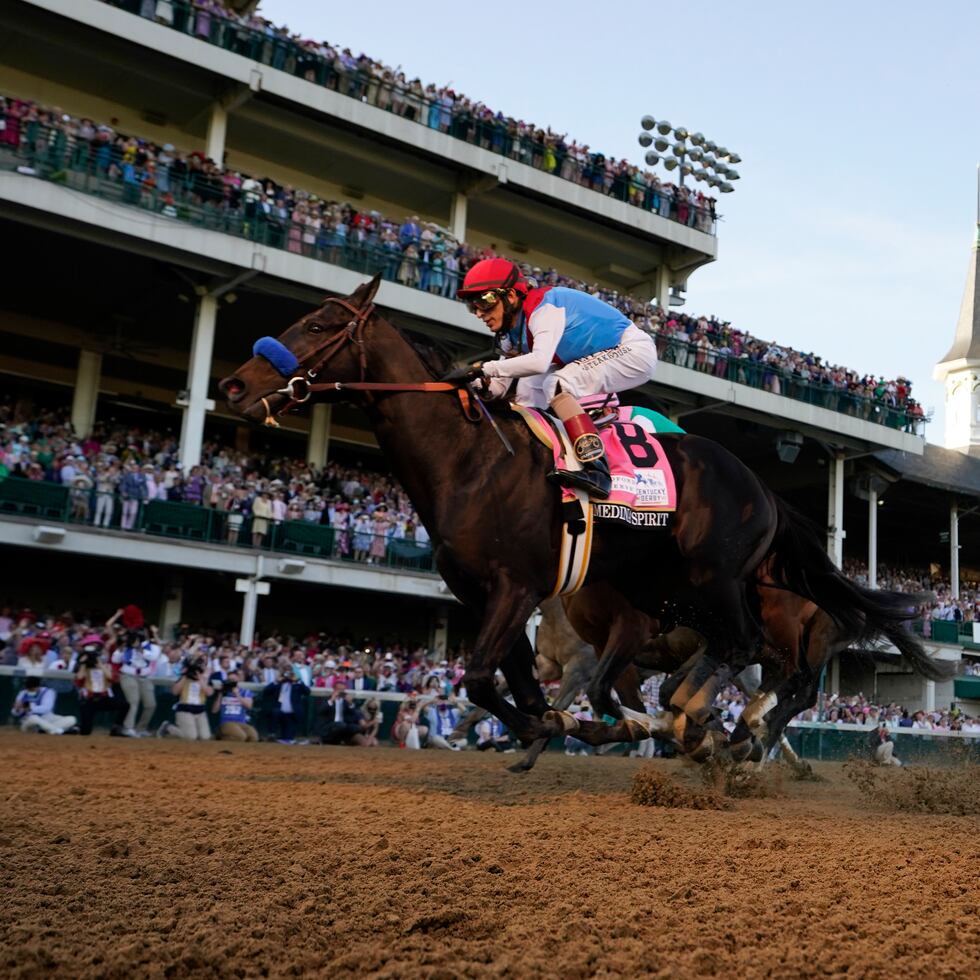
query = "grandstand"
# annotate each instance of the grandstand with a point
(157, 292)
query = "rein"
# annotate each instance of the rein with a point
(300, 387)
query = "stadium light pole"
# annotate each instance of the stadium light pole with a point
(692, 154)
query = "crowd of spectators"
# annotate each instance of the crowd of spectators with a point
(938, 602)
(114, 660)
(414, 252)
(128, 656)
(117, 468)
(439, 108)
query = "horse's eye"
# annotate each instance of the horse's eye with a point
(316, 328)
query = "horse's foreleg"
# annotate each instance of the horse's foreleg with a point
(501, 633)
(576, 675)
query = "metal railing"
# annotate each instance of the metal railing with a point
(207, 525)
(96, 168)
(746, 370)
(462, 121)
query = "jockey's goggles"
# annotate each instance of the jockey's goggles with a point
(484, 302)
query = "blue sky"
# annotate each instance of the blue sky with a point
(849, 232)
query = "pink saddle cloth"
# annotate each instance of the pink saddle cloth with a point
(642, 477)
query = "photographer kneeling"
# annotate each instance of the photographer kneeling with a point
(191, 716)
(34, 707)
(232, 706)
(340, 719)
(95, 695)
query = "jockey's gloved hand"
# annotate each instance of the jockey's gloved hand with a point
(465, 374)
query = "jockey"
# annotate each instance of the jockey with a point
(561, 345)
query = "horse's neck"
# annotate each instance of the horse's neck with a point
(419, 432)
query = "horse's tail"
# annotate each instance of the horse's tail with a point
(800, 564)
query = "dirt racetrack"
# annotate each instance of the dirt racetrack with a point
(153, 858)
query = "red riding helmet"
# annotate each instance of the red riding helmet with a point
(492, 274)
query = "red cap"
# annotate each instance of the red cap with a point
(490, 274)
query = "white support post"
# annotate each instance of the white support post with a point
(833, 675)
(249, 608)
(663, 287)
(873, 539)
(86, 395)
(198, 379)
(954, 550)
(439, 632)
(251, 588)
(171, 610)
(835, 510)
(457, 215)
(929, 695)
(217, 133)
(317, 445)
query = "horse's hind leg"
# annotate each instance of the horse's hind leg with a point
(629, 629)
(576, 675)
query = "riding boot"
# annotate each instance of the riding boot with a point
(594, 476)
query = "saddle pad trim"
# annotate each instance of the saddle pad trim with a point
(575, 552)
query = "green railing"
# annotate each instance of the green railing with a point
(946, 631)
(262, 713)
(490, 132)
(57, 156)
(746, 371)
(838, 743)
(967, 688)
(193, 522)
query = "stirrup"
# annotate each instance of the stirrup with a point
(594, 479)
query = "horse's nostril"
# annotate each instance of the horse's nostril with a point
(232, 387)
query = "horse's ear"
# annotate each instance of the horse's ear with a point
(363, 296)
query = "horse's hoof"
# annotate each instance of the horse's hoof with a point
(561, 721)
(704, 750)
(522, 766)
(758, 753)
(741, 750)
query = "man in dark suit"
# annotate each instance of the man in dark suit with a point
(285, 700)
(361, 682)
(340, 720)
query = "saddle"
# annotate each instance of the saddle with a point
(643, 489)
(643, 494)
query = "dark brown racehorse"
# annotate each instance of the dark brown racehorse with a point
(495, 521)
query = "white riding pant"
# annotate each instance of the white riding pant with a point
(52, 724)
(628, 365)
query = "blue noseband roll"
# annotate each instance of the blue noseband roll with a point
(278, 355)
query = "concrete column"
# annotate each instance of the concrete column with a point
(171, 611)
(439, 632)
(929, 695)
(835, 510)
(663, 286)
(250, 604)
(954, 549)
(833, 675)
(457, 215)
(198, 379)
(217, 132)
(873, 539)
(318, 443)
(251, 588)
(86, 395)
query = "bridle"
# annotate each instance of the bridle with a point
(300, 387)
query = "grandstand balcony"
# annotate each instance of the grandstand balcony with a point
(227, 99)
(62, 206)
